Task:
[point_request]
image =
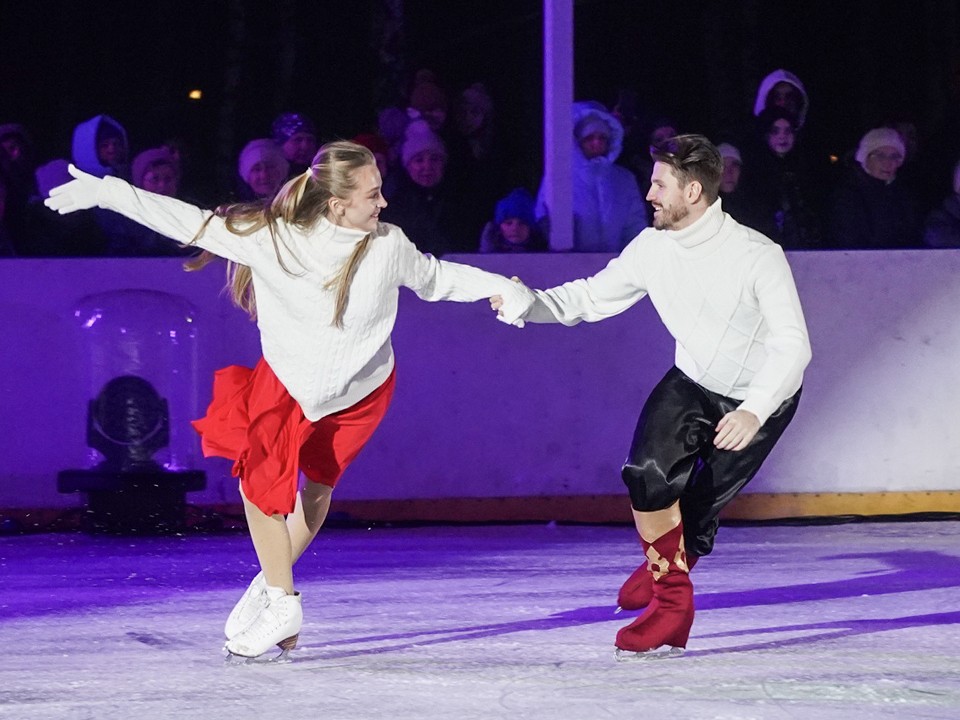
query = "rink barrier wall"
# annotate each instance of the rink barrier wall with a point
(489, 416)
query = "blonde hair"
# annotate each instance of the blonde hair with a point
(301, 202)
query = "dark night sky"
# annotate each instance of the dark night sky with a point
(862, 62)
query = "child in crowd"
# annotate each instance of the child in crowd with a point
(514, 228)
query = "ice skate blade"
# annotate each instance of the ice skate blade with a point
(618, 610)
(660, 653)
(236, 660)
(285, 647)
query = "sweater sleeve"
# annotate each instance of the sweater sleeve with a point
(611, 291)
(174, 219)
(432, 279)
(787, 343)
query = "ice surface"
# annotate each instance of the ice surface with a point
(849, 621)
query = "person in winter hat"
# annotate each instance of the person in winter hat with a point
(263, 168)
(514, 227)
(296, 134)
(156, 170)
(429, 100)
(423, 200)
(100, 147)
(880, 153)
(871, 208)
(783, 89)
(608, 209)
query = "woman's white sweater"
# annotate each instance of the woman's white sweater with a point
(324, 368)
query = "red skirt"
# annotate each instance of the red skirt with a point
(253, 421)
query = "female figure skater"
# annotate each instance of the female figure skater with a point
(321, 275)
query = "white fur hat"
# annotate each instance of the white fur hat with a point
(878, 138)
(261, 149)
(727, 150)
(419, 137)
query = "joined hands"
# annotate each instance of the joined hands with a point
(514, 303)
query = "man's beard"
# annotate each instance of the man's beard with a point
(669, 217)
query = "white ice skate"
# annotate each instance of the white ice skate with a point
(277, 624)
(248, 607)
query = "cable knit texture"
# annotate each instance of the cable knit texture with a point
(324, 368)
(726, 294)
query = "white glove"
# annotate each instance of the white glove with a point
(79, 194)
(517, 301)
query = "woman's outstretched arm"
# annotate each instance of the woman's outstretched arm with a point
(168, 216)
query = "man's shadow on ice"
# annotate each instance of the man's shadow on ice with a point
(907, 572)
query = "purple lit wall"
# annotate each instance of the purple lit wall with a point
(486, 410)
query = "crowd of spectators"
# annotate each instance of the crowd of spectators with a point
(449, 182)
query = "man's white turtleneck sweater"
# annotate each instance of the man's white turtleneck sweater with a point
(324, 368)
(726, 294)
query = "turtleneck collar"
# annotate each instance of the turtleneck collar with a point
(705, 228)
(339, 233)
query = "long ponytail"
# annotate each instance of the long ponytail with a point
(342, 280)
(301, 202)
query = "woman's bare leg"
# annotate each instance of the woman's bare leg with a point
(303, 524)
(271, 540)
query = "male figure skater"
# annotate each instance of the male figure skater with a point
(726, 294)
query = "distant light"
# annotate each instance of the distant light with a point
(834, 158)
(195, 94)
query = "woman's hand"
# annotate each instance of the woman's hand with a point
(78, 194)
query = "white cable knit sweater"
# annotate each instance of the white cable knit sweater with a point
(324, 368)
(726, 294)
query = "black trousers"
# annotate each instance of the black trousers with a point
(672, 456)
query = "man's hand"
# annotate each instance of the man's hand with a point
(511, 308)
(78, 194)
(736, 429)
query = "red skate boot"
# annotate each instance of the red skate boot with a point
(664, 627)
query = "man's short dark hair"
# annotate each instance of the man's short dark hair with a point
(692, 157)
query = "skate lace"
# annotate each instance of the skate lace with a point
(250, 606)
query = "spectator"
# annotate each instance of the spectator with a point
(476, 161)
(296, 135)
(784, 90)
(731, 194)
(919, 174)
(870, 208)
(154, 170)
(100, 147)
(17, 170)
(391, 124)
(158, 171)
(51, 235)
(192, 185)
(513, 228)
(608, 209)
(381, 151)
(263, 169)
(423, 201)
(638, 161)
(943, 224)
(430, 101)
(778, 188)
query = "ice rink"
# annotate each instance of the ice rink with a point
(841, 621)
